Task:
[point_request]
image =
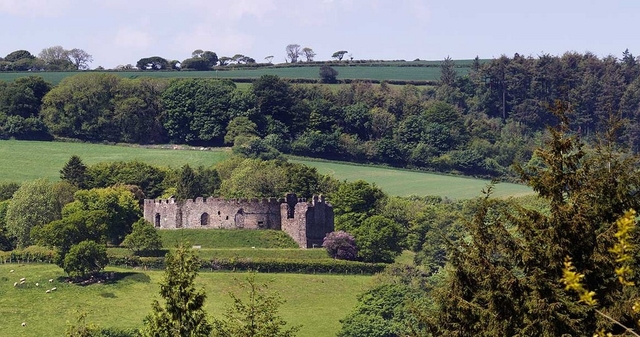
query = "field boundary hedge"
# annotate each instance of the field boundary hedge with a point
(43, 255)
(261, 265)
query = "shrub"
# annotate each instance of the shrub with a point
(85, 258)
(340, 245)
(143, 239)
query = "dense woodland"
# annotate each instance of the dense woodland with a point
(478, 124)
(483, 267)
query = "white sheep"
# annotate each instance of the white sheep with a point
(11, 271)
(50, 280)
(15, 284)
(24, 323)
(23, 279)
(22, 282)
(54, 289)
(48, 291)
(37, 284)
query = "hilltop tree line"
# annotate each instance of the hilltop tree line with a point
(476, 124)
(54, 58)
(57, 58)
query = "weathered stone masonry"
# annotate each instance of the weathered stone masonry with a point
(306, 222)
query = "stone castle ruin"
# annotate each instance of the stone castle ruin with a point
(306, 222)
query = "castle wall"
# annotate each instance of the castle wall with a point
(295, 226)
(214, 213)
(306, 223)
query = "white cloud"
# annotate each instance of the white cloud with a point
(132, 38)
(34, 8)
(229, 11)
(420, 10)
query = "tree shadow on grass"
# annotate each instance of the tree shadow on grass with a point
(112, 278)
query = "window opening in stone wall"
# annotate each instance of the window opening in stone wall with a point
(204, 219)
(218, 212)
(157, 220)
(226, 217)
(292, 200)
(261, 224)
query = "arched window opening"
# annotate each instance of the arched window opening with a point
(204, 219)
(157, 220)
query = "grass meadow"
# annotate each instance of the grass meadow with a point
(228, 238)
(317, 302)
(406, 182)
(29, 160)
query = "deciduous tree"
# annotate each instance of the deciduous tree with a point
(328, 74)
(308, 53)
(33, 205)
(340, 245)
(197, 110)
(85, 258)
(143, 239)
(80, 58)
(339, 54)
(293, 52)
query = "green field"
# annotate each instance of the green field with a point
(27, 160)
(228, 238)
(317, 302)
(406, 182)
(390, 71)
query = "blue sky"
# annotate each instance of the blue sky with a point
(123, 31)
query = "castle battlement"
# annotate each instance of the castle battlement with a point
(304, 222)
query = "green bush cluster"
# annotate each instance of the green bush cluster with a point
(30, 254)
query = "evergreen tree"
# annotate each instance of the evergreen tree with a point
(447, 72)
(505, 277)
(187, 184)
(74, 171)
(183, 311)
(257, 316)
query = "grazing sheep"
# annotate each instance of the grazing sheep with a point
(37, 284)
(50, 280)
(48, 291)
(24, 323)
(54, 289)
(22, 282)
(11, 271)
(15, 284)
(23, 279)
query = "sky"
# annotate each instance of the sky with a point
(120, 32)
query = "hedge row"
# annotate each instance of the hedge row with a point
(262, 265)
(36, 254)
(33, 254)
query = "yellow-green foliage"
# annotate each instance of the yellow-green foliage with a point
(622, 250)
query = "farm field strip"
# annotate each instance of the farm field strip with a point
(355, 72)
(28, 160)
